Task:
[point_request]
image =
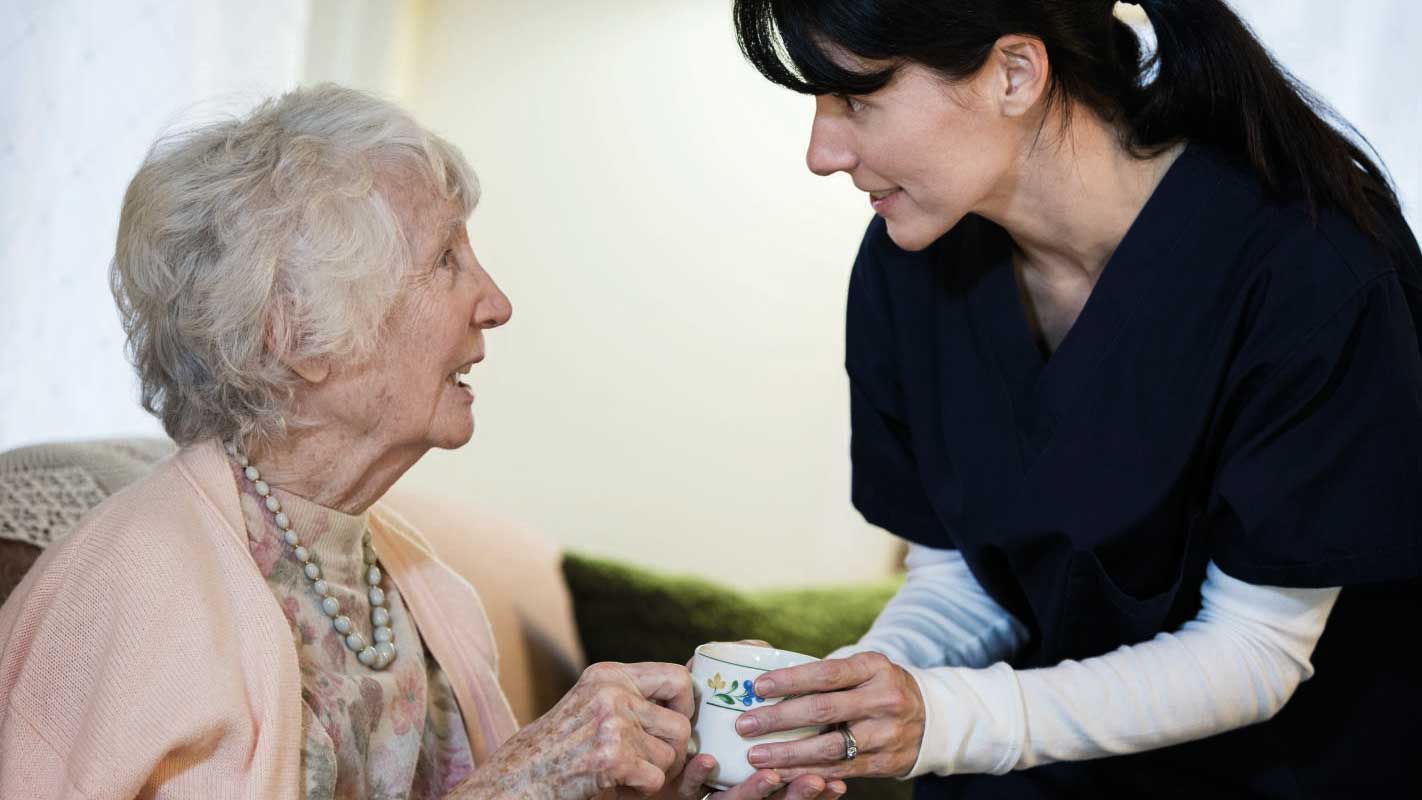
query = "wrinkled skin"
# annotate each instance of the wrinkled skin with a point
(621, 729)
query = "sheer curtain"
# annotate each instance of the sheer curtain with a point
(89, 85)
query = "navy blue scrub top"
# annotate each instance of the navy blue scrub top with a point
(1242, 386)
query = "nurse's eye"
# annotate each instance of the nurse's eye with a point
(854, 104)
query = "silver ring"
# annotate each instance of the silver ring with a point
(851, 747)
(707, 796)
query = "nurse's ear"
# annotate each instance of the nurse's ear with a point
(1020, 72)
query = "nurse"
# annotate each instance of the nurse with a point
(1134, 364)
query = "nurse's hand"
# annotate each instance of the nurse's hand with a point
(765, 783)
(878, 700)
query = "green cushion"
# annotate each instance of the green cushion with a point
(626, 613)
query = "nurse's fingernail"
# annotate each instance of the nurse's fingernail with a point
(764, 687)
(747, 725)
(758, 755)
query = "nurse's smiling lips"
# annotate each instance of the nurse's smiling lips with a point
(883, 200)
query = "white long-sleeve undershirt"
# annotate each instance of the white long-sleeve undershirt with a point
(1236, 663)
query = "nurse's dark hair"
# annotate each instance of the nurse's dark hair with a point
(1213, 81)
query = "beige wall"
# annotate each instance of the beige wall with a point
(670, 389)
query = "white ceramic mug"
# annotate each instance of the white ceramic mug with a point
(723, 675)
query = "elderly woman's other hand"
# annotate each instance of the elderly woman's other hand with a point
(623, 727)
(765, 783)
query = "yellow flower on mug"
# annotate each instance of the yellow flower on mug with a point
(716, 683)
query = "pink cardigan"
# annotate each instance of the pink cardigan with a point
(145, 656)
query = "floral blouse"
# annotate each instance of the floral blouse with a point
(368, 734)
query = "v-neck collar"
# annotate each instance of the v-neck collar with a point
(1042, 390)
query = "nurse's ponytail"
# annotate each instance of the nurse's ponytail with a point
(1214, 82)
(1209, 79)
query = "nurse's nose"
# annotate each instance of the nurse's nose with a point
(830, 148)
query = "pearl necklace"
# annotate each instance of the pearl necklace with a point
(376, 656)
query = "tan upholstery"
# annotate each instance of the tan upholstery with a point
(43, 489)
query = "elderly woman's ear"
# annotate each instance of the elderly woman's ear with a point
(311, 370)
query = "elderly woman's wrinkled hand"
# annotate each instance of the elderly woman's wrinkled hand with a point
(623, 727)
(877, 699)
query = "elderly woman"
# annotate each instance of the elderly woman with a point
(302, 304)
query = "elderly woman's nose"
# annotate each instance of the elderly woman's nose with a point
(493, 308)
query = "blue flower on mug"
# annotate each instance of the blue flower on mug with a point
(750, 695)
(739, 691)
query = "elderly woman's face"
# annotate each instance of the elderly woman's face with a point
(411, 392)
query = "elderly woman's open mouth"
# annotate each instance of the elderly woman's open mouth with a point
(454, 377)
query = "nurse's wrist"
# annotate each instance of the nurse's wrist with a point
(934, 740)
(974, 720)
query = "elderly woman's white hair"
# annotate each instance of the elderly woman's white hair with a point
(265, 240)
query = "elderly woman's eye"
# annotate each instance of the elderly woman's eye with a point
(448, 260)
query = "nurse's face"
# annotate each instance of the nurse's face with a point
(924, 150)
